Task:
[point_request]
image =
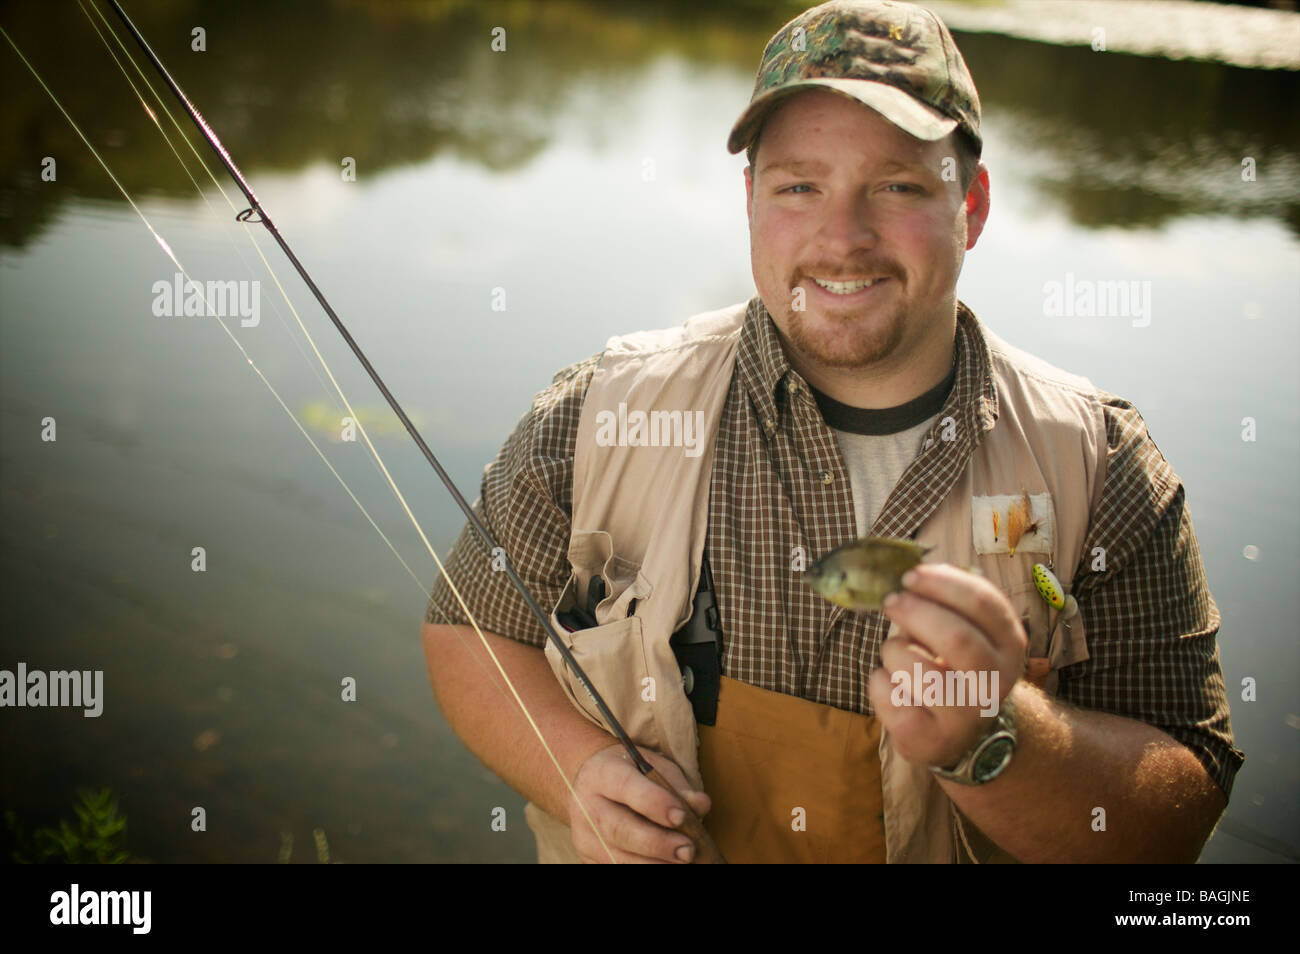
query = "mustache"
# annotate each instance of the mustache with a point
(840, 272)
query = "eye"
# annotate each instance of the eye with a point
(904, 188)
(791, 189)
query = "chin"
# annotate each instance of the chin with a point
(844, 343)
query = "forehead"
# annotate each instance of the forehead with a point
(823, 124)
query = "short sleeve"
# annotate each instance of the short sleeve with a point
(526, 502)
(1151, 623)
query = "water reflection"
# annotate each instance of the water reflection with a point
(1125, 140)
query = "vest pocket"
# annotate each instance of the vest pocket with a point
(612, 653)
(1033, 614)
(611, 657)
(591, 554)
(1067, 645)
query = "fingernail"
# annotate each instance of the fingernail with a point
(685, 852)
(676, 816)
(891, 600)
(909, 577)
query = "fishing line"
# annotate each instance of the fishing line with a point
(252, 238)
(176, 261)
(153, 116)
(162, 243)
(202, 164)
(244, 219)
(306, 333)
(691, 824)
(485, 536)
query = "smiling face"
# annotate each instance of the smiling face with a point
(855, 214)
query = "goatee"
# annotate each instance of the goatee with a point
(847, 341)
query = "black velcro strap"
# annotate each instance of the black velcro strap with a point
(698, 647)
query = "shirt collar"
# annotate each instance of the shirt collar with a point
(763, 366)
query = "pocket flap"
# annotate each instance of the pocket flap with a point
(591, 553)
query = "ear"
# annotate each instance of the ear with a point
(977, 206)
(749, 193)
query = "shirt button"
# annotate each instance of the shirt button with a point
(769, 425)
(827, 477)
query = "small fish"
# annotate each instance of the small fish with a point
(997, 518)
(859, 575)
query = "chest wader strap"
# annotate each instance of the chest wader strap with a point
(791, 780)
(698, 648)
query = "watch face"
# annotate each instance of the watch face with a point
(994, 758)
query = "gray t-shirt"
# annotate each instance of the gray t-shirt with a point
(878, 444)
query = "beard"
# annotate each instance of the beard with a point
(845, 339)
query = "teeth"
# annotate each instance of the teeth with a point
(845, 288)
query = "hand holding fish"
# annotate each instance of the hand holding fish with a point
(948, 619)
(637, 818)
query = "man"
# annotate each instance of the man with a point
(855, 395)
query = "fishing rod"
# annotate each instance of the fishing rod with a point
(255, 213)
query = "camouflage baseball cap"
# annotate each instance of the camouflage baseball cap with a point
(897, 58)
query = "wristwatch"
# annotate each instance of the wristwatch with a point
(990, 756)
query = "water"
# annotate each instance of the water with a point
(583, 172)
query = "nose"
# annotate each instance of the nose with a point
(848, 225)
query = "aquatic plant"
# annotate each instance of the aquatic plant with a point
(99, 836)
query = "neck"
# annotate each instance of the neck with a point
(886, 384)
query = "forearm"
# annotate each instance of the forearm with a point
(1160, 804)
(484, 713)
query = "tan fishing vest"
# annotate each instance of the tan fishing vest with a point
(640, 514)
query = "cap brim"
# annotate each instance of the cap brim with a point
(908, 114)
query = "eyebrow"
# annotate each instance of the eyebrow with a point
(796, 167)
(813, 167)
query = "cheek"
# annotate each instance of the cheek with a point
(768, 238)
(775, 232)
(930, 244)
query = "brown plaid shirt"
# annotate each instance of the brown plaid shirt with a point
(779, 481)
